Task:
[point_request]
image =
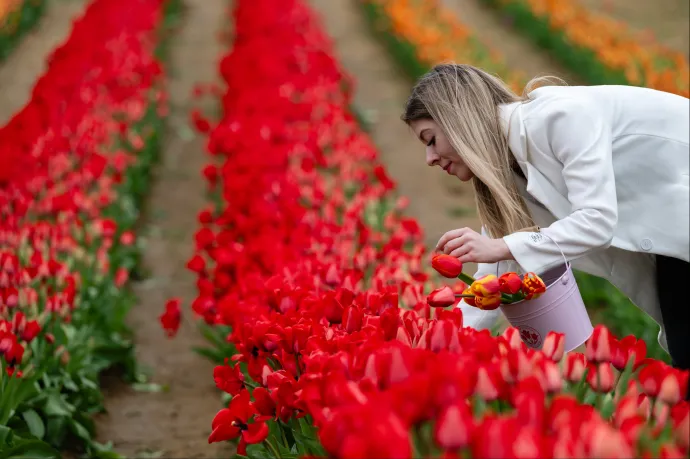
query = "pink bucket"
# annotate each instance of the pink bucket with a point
(559, 309)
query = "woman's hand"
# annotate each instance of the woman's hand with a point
(470, 246)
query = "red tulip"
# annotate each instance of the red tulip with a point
(446, 265)
(264, 404)
(229, 379)
(674, 386)
(549, 375)
(554, 346)
(528, 399)
(661, 381)
(454, 427)
(490, 384)
(629, 348)
(605, 441)
(506, 437)
(600, 377)
(233, 422)
(510, 283)
(171, 317)
(512, 337)
(575, 365)
(600, 347)
(626, 408)
(441, 298)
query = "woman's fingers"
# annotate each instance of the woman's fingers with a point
(455, 244)
(450, 235)
(461, 251)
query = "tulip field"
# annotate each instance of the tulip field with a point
(331, 328)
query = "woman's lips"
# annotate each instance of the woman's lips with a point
(447, 168)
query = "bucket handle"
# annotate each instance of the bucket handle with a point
(567, 263)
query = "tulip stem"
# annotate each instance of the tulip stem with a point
(469, 280)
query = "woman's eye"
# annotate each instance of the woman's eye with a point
(431, 142)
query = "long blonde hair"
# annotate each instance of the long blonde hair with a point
(464, 101)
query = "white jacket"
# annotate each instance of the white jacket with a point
(607, 179)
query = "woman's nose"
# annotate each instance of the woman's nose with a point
(431, 156)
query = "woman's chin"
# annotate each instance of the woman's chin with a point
(464, 177)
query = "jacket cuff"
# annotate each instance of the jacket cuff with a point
(525, 248)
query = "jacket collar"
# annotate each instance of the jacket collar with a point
(505, 112)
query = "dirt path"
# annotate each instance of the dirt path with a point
(518, 51)
(669, 20)
(174, 423)
(27, 62)
(439, 202)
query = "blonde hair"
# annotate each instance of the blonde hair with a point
(464, 101)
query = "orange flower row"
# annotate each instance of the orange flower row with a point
(642, 60)
(437, 35)
(6, 7)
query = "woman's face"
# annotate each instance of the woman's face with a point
(439, 152)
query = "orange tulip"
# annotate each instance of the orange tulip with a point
(488, 303)
(486, 286)
(470, 301)
(532, 286)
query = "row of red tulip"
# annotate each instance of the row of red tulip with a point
(73, 164)
(333, 349)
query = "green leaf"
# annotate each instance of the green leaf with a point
(211, 354)
(57, 406)
(35, 423)
(5, 435)
(34, 449)
(80, 431)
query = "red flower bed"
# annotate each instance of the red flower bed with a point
(332, 347)
(73, 166)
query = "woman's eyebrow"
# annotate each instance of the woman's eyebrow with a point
(421, 134)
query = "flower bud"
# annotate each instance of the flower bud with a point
(600, 346)
(575, 365)
(554, 346)
(532, 286)
(600, 377)
(486, 286)
(446, 265)
(441, 297)
(510, 283)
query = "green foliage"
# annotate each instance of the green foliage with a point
(18, 23)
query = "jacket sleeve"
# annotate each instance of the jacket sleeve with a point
(579, 137)
(474, 317)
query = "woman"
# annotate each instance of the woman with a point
(601, 170)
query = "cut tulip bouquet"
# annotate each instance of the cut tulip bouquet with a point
(486, 293)
(311, 282)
